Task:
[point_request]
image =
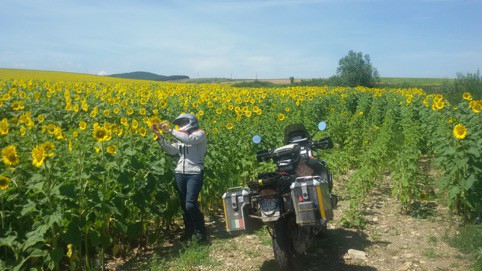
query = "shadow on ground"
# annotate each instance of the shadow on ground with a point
(327, 254)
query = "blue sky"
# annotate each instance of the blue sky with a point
(242, 38)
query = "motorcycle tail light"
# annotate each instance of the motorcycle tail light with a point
(268, 193)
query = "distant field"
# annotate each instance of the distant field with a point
(384, 80)
(67, 76)
(416, 81)
(7, 74)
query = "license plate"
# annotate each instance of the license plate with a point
(269, 205)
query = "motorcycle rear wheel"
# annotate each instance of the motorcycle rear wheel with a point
(284, 252)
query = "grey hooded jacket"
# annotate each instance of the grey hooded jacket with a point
(190, 147)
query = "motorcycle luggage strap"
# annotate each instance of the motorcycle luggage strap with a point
(234, 202)
(304, 192)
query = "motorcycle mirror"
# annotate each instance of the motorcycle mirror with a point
(322, 125)
(256, 139)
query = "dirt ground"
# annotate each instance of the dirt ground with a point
(390, 241)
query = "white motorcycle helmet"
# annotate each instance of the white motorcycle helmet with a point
(187, 122)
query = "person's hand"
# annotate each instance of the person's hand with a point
(155, 129)
(165, 127)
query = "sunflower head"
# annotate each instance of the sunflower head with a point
(476, 106)
(38, 155)
(101, 134)
(466, 96)
(4, 127)
(112, 149)
(10, 156)
(82, 125)
(460, 132)
(4, 182)
(281, 116)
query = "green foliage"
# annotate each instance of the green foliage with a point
(469, 241)
(460, 160)
(149, 76)
(190, 257)
(85, 203)
(355, 69)
(255, 84)
(470, 82)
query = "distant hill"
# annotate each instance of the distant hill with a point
(149, 76)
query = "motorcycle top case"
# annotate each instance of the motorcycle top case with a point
(311, 200)
(236, 202)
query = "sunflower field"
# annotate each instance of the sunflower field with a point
(82, 177)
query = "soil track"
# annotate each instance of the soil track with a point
(390, 241)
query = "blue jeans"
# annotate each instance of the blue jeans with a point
(189, 186)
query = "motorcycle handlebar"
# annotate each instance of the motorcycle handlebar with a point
(323, 144)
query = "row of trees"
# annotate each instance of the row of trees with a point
(356, 69)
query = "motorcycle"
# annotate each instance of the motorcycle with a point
(294, 202)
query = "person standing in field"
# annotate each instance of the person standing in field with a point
(191, 146)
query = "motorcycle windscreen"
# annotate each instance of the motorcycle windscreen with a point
(295, 131)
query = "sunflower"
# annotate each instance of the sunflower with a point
(4, 182)
(106, 112)
(51, 128)
(69, 250)
(82, 125)
(85, 106)
(4, 127)
(460, 132)
(438, 98)
(281, 116)
(38, 155)
(59, 133)
(10, 156)
(112, 149)
(238, 110)
(467, 96)
(142, 131)
(476, 106)
(23, 130)
(124, 121)
(48, 147)
(17, 106)
(101, 134)
(440, 105)
(134, 124)
(163, 103)
(229, 126)
(130, 111)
